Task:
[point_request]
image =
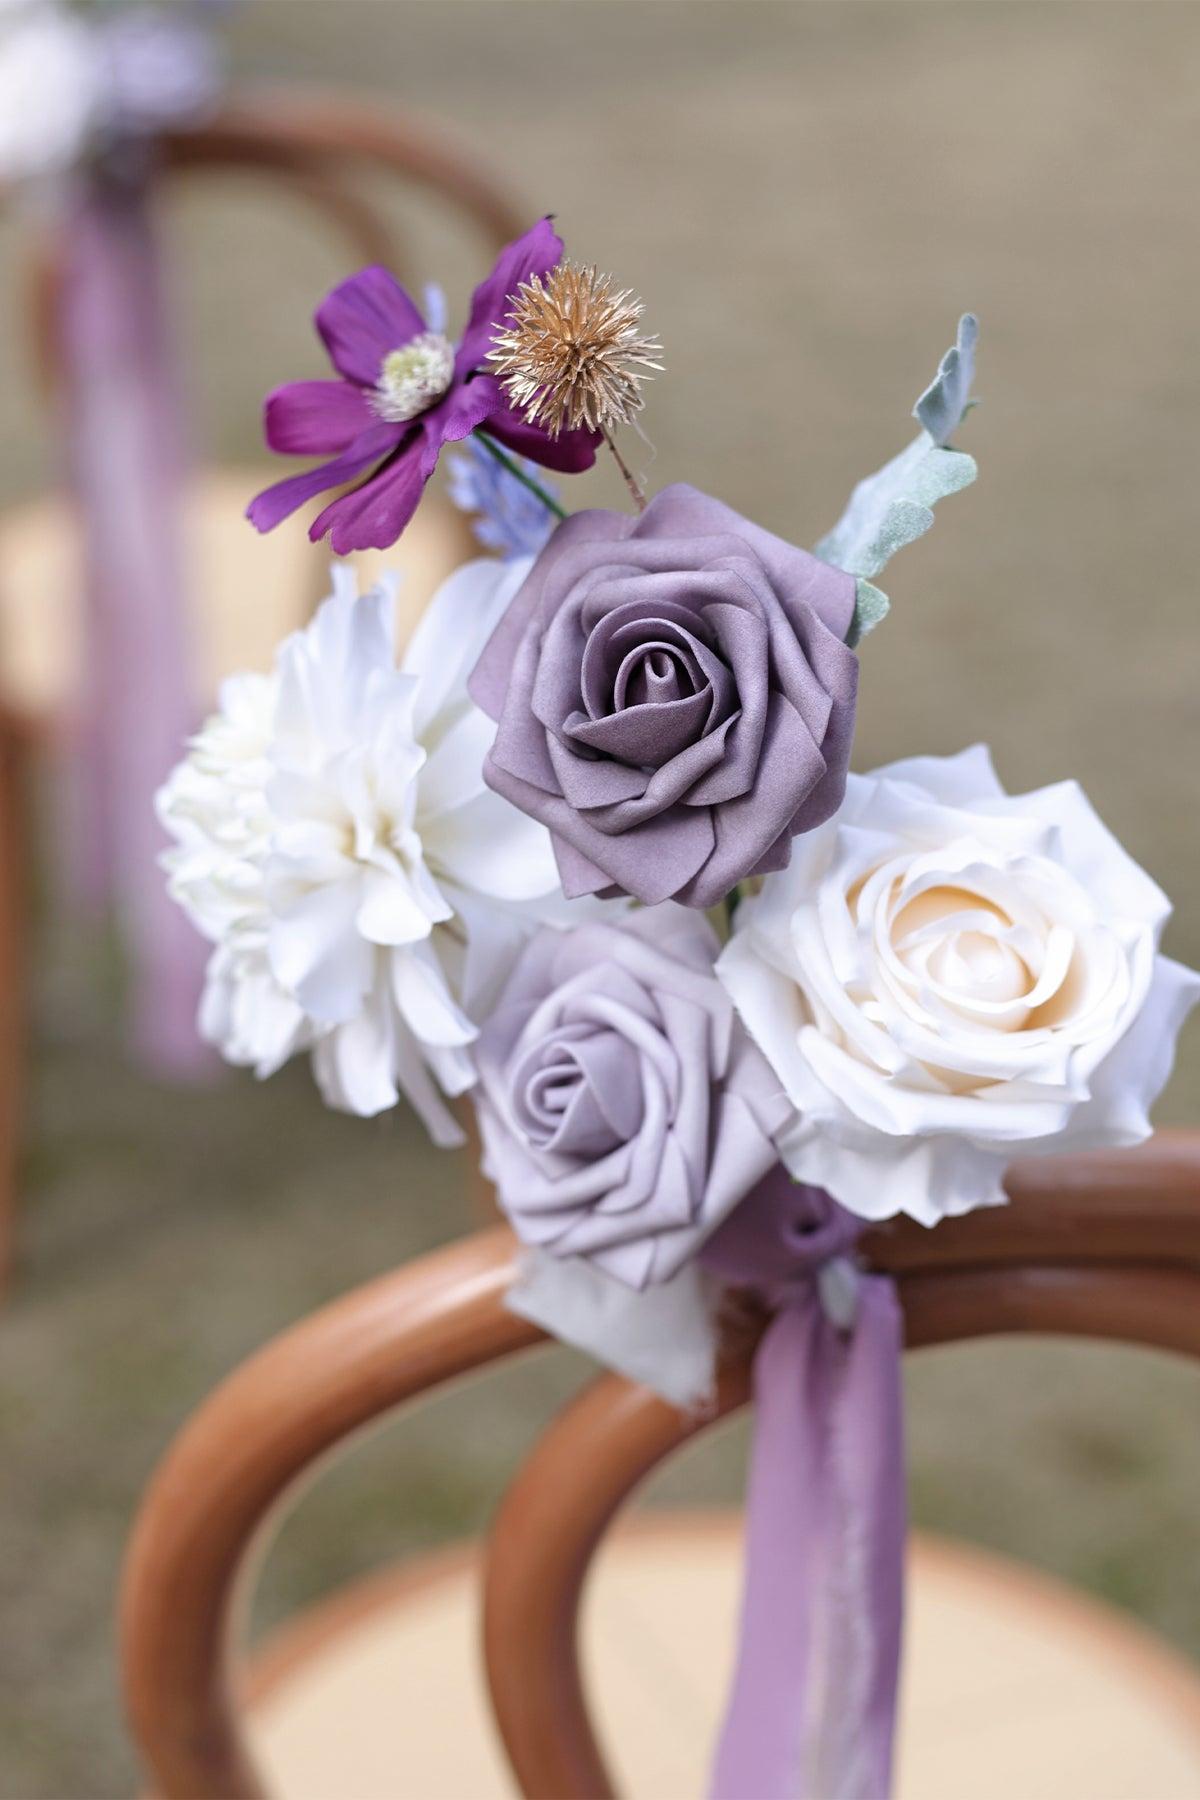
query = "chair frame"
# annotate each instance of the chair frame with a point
(14, 934)
(1101, 1245)
(315, 142)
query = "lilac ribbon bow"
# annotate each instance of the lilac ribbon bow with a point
(126, 464)
(813, 1708)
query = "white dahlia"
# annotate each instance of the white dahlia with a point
(334, 838)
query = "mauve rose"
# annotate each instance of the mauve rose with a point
(674, 697)
(623, 1110)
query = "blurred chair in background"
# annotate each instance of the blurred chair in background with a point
(1015, 1684)
(243, 593)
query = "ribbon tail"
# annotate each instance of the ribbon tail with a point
(127, 469)
(854, 1716)
(813, 1706)
(761, 1752)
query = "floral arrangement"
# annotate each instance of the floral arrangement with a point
(588, 851)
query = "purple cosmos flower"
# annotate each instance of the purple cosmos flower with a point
(404, 391)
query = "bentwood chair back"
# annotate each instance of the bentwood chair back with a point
(337, 156)
(1101, 1246)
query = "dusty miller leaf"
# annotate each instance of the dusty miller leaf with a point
(895, 505)
(870, 608)
(945, 401)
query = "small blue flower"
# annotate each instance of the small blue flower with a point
(509, 519)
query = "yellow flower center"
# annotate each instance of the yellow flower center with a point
(412, 377)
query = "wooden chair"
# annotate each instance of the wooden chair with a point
(1101, 1246)
(320, 148)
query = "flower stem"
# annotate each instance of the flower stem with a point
(515, 470)
(639, 498)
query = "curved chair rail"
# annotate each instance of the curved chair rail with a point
(14, 969)
(290, 128)
(264, 1431)
(1103, 1246)
(316, 142)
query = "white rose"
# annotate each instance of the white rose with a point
(365, 891)
(947, 977)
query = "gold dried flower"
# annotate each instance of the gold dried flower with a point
(570, 354)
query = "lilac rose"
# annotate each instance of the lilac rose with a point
(623, 1110)
(675, 698)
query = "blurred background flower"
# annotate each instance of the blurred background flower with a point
(75, 80)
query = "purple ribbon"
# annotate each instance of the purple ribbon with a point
(127, 466)
(813, 1708)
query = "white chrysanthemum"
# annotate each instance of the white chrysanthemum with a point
(947, 977)
(335, 839)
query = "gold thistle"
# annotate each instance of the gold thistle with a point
(570, 354)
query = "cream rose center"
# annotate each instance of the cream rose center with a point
(959, 948)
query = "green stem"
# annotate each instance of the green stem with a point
(514, 469)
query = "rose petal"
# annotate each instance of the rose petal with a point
(647, 737)
(489, 681)
(682, 511)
